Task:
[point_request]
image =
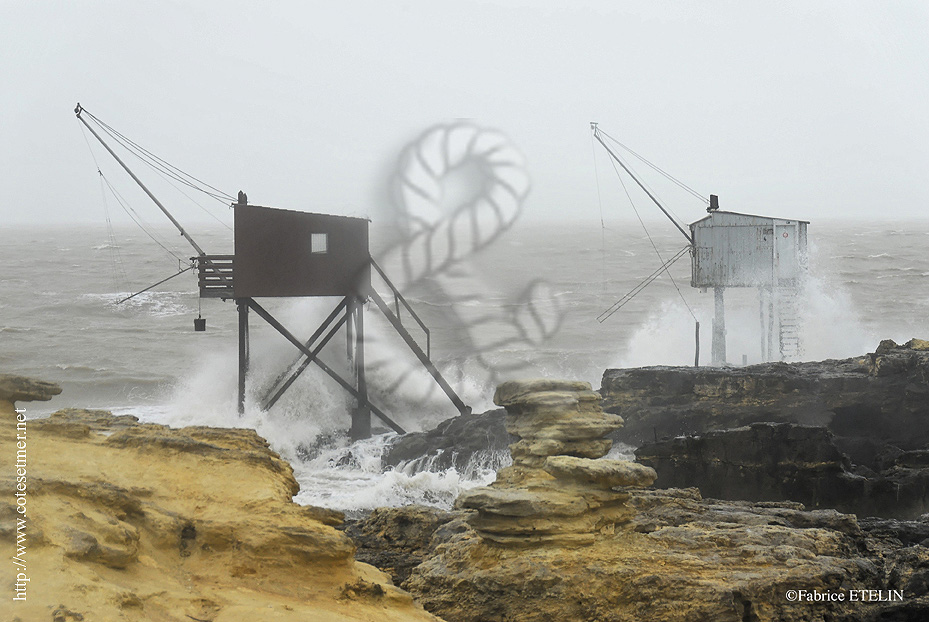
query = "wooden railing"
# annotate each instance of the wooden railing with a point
(398, 300)
(215, 275)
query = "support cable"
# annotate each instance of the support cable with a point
(120, 280)
(677, 220)
(652, 242)
(77, 111)
(137, 219)
(674, 220)
(194, 201)
(155, 285)
(157, 162)
(619, 304)
(593, 152)
(656, 168)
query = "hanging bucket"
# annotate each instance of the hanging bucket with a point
(200, 324)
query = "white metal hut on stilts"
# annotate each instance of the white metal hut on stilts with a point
(730, 249)
(746, 250)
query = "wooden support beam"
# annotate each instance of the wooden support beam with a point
(242, 305)
(267, 399)
(697, 345)
(267, 317)
(361, 416)
(427, 363)
(719, 328)
(270, 402)
(351, 302)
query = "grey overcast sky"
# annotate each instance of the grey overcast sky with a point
(808, 109)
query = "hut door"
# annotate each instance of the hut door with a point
(785, 260)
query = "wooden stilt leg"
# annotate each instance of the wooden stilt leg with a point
(243, 351)
(361, 417)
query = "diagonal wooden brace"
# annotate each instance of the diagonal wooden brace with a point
(427, 363)
(270, 402)
(267, 317)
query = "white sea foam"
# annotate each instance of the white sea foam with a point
(831, 325)
(342, 476)
(351, 478)
(154, 303)
(830, 328)
(620, 451)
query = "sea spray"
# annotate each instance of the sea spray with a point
(621, 451)
(307, 426)
(58, 323)
(352, 478)
(830, 327)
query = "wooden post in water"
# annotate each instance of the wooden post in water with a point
(719, 328)
(361, 416)
(697, 345)
(349, 333)
(242, 305)
(771, 324)
(764, 353)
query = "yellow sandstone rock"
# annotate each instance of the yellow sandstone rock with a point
(563, 537)
(556, 492)
(128, 521)
(917, 344)
(602, 473)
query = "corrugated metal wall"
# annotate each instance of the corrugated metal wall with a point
(742, 250)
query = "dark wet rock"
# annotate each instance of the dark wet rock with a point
(21, 389)
(907, 532)
(452, 443)
(916, 459)
(661, 402)
(569, 539)
(657, 509)
(869, 456)
(776, 462)
(872, 402)
(396, 540)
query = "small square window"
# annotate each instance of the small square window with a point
(319, 243)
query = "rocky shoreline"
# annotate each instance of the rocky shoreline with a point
(130, 521)
(866, 402)
(680, 557)
(850, 434)
(569, 537)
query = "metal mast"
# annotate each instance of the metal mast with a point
(78, 110)
(596, 131)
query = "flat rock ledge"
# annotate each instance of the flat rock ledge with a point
(21, 389)
(785, 461)
(564, 536)
(869, 403)
(682, 558)
(559, 489)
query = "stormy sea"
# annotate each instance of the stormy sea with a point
(526, 305)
